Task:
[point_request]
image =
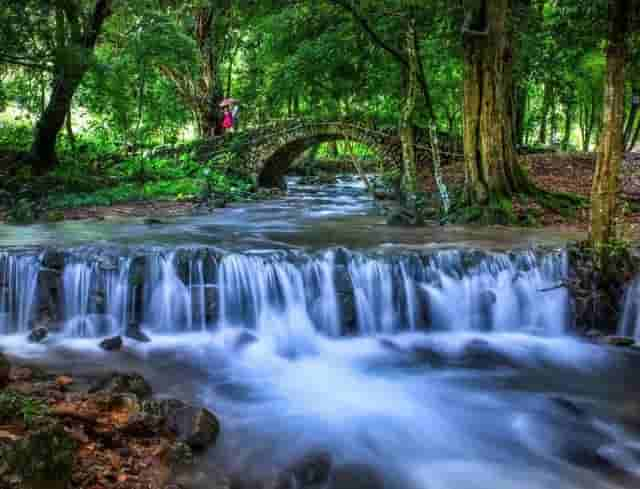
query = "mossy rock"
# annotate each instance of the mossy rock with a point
(54, 216)
(43, 459)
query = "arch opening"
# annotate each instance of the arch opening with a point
(273, 169)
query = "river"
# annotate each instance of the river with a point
(435, 358)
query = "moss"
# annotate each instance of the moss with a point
(15, 406)
(44, 459)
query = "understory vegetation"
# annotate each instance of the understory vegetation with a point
(102, 102)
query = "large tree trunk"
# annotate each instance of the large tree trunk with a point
(43, 148)
(75, 45)
(407, 127)
(611, 147)
(491, 164)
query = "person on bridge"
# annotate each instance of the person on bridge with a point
(227, 120)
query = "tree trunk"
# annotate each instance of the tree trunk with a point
(43, 148)
(407, 128)
(491, 167)
(520, 95)
(546, 106)
(568, 123)
(70, 135)
(72, 62)
(611, 147)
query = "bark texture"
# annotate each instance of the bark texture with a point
(611, 147)
(491, 165)
(407, 129)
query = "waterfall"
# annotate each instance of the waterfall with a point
(168, 298)
(18, 288)
(630, 319)
(290, 297)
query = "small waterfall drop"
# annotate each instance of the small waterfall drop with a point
(168, 298)
(18, 291)
(630, 320)
(290, 297)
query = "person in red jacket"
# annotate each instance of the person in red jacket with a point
(227, 120)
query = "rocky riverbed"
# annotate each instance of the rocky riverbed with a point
(60, 431)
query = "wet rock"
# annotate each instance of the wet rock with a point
(141, 424)
(342, 279)
(112, 344)
(404, 217)
(488, 298)
(568, 406)
(312, 471)
(122, 383)
(347, 304)
(593, 334)
(618, 340)
(38, 335)
(244, 339)
(479, 354)
(197, 427)
(5, 370)
(388, 344)
(135, 333)
(425, 353)
(356, 476)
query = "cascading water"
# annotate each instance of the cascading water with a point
(18, 288)
(630, 319)
(290, 296)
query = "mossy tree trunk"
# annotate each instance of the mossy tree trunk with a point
(611, 147)
(76, 39)
(491, 164)
(407, 128)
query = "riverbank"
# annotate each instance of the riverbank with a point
(61, 430)
(559, 172)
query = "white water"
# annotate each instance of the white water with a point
(294, 296)
(18, 287)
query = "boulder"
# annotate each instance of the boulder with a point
(310, 472)
(244, 339)
(135, 333)
(38, 335)
(618, 340)
(197, 427)
(5, 370)
(122, 383)
(111, 344)
(479, 354)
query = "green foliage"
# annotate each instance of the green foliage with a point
(43, 458)
(15, 406)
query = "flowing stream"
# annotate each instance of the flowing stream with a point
(421, 359)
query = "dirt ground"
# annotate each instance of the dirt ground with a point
(563, 172)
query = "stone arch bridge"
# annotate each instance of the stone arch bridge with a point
(268, 151)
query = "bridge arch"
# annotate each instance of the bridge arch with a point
(275, 156)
